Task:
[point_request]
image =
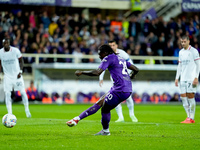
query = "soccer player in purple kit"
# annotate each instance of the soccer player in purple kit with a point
(120, 91)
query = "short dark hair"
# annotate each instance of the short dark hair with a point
(5, 39)
(105, 48)
(185, 37)
(112, 41)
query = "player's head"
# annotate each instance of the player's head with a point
(105, 50)
(185, 41)
(6, 43)
(113, 45)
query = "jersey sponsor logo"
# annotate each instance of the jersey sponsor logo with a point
(185, 62)
(9, 61)
(19, 83)
(126, 78)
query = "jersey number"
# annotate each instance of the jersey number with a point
(124, 70)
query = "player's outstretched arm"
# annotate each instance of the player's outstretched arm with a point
(96, 72)
(135, 70)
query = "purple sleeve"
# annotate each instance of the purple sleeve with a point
(128, 64)
(104, 64)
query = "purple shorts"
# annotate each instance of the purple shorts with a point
(113, 98)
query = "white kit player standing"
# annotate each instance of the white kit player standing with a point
(188, 71)
(129, 101)
(12, 63)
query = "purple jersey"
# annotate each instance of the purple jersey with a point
(117, 67)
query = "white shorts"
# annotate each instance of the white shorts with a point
(16, 84)
(187, 87)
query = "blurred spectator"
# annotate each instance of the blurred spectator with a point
(67, 99)
(32, 19)
(55, 96)
(134, 28)
(116, 26)
(45, 20)
(154, 98)
(52, 27)
(95, 97)
(46, 99)
(137, 99)
(164, 98)
(32, 92)
(175, 98)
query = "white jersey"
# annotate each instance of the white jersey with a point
(122, 54)
(187, 60)
(10, 62)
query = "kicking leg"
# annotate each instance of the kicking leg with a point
(86, 113)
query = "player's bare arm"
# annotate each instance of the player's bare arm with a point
(176, 82)
(21, 64)
(135, 70)
(195, 82)
(96, 72)
(178, 73)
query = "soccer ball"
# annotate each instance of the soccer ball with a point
(9, 120)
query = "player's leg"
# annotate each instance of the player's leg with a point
(192, 104)
(185, 104)
(118, 109)
(7, 83)
(93, 109)
(25, 102)
(105, 119)
(130, 105)
(111, 101)
(19, 86)
(191, 90)
(8, 102)
(183, 89)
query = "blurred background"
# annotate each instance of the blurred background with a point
(58, 37)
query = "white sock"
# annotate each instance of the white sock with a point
(25, 100)
(186, 105)
(192, 107)
(130, 106)
(118, 108)
(106, 130)
(8, 102)
(77, 118)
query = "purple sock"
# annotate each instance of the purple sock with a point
(89, 111)
(105, 120)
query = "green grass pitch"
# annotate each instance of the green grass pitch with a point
(158, 128)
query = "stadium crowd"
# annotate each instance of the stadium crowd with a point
(34, 32)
